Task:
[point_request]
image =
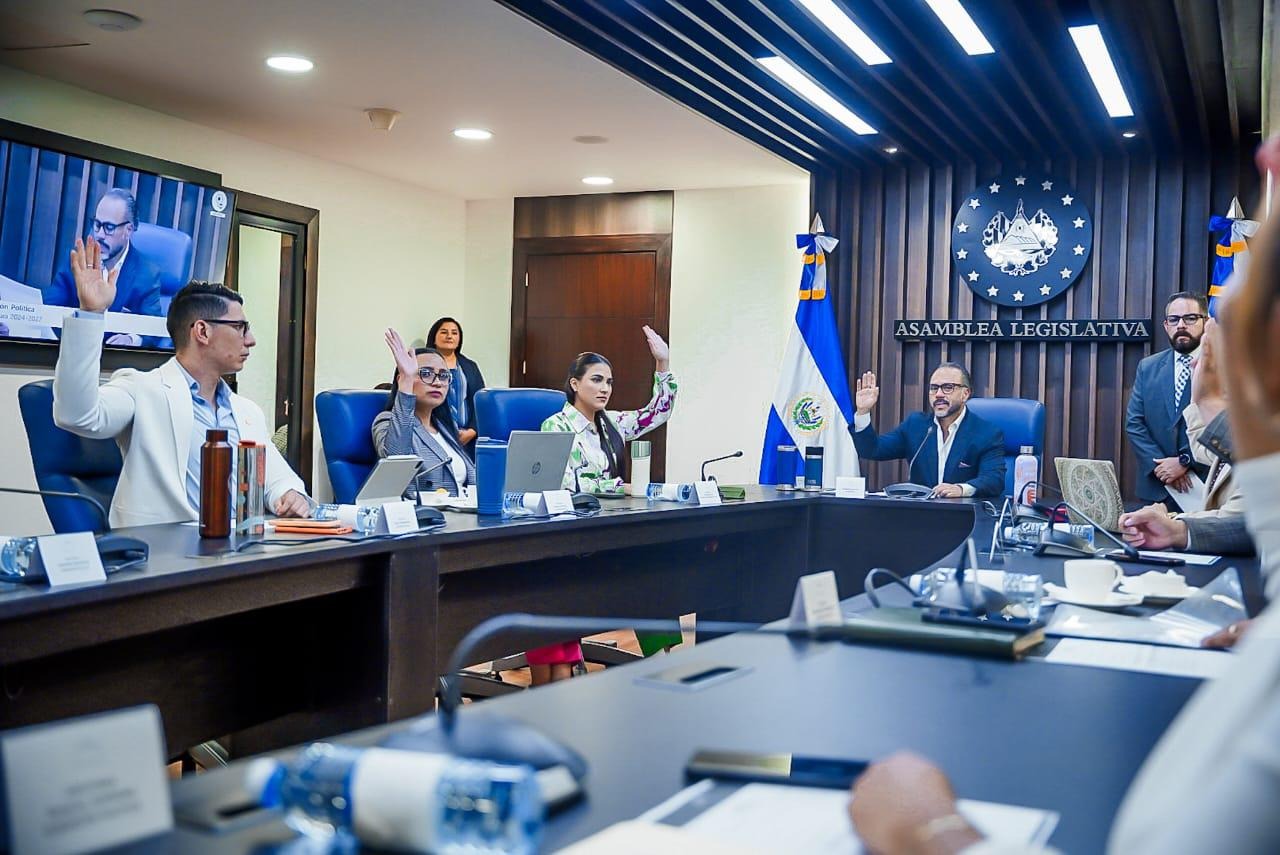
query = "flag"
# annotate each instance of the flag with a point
(1233, 251)
(812, 405)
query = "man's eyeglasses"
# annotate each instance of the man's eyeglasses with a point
(107, 229)
(1190, 320)
(945, 388)
(242, 326)
(428, 376)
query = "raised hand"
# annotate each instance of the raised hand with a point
(661, 352)
(406, 362)
(866, 394)
(96, 293)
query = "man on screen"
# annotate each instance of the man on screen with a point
(137, 283)
(951, 449)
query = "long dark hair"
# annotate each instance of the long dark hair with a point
(611, 439)
(441, 416)
(435, 328)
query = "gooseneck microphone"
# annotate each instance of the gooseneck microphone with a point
(716, 460)
(912, 462)
(910, 489)
(1063, 543)
(63, 494)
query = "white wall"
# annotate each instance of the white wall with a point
(390, 252)
(258, 280)
(734, 277)
(18, 514)
(486, 322)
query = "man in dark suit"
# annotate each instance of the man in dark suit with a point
(1161, 391)
(952, 450)
(138, 283)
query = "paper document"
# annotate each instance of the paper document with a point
(773, 818)
(1147, 658)
(1189, 557)
(1191, 501)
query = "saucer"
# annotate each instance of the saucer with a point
(1139, 585)
(1112, 599)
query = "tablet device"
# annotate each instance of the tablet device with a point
(536, 460)
(389, 479)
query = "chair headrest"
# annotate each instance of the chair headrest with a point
(346, 420)
(170, 250)
(1021, 420)
(55, 451)
(500, 411)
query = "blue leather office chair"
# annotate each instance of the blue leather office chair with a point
(500, 411)
(346, 421)
(170, 250)
(64, 461)
(1022, 421)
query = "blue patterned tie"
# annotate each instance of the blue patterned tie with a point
(1182, 380)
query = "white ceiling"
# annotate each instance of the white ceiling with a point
(442, 63)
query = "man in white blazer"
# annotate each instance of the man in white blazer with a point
(159, 417)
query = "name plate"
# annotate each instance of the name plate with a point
(86, 784)
(557, 502)
(397, 518)
(71, 559)
(816, 602)
(706, 493)
(851, 487)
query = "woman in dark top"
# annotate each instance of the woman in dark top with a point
(445, 337)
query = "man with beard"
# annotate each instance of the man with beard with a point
(951, 449)
(1161, 391)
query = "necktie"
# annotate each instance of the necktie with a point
(1182, 380)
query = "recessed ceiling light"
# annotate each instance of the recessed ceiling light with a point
(1097, 61)
(591, 139)
(956, 19)
(290, 64)
(1129, 134)
(472, 133)
(815, 94)
(843, 27)
(597, 180)
(112, 21)
(891, 149)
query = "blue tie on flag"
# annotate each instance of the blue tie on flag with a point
(812, 405)
(1232, 251)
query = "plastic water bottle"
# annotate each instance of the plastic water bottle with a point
(16, 555)
(641, 458)
(659, 492)
(362, 518)
(402, 800)
(520, 505)
(1026, 472)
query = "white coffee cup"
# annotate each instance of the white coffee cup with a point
(1091, 577)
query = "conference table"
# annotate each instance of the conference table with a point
(354, 634)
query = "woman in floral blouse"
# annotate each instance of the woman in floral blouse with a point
(595, 463)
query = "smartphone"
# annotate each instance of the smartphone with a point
(830, 772)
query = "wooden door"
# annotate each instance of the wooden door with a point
(576, 294)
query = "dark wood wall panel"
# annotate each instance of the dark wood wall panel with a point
(648, 213)
(1151, 239)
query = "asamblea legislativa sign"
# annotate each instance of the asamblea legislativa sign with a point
(1117, 329)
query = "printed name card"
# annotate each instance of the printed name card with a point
(71, 559)
(557, 502)
(397, 518)
(86, 784)
(816, 602)
(706, 493)
(850, 487)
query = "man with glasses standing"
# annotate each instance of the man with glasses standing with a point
(159, 417)
(137, 279)
(1161, 391)
(951, 449)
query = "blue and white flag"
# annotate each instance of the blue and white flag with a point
(812, 405)
(1232, 251)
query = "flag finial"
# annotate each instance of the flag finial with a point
(816, 228)
(1235, 212)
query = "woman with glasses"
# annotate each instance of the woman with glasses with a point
(418, 421)
(445, 336)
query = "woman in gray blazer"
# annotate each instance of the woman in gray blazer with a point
(417, 420)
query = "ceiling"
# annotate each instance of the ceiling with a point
(442, 63)
(1191, 68)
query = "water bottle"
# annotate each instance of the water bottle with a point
(1023, 591)
(491, 471)
(813, 469)
(402, 800)
(641, 457)
(520, 505)
(16, 556)
(659, 492)
(362, 518)
(785, 463)
(1026, 472)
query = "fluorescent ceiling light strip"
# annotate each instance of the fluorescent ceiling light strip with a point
(843, 27)
(815, 94)
(1097, 61)
(956, 19)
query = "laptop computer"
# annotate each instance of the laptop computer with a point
(536, 460)
(1091, 486)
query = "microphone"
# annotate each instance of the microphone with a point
(1065, 544)
(716, 460)
(420, 471)
(910, 489)
(63, 494)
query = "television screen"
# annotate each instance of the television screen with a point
(160, 232)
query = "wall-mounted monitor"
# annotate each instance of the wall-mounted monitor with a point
(160, 224)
